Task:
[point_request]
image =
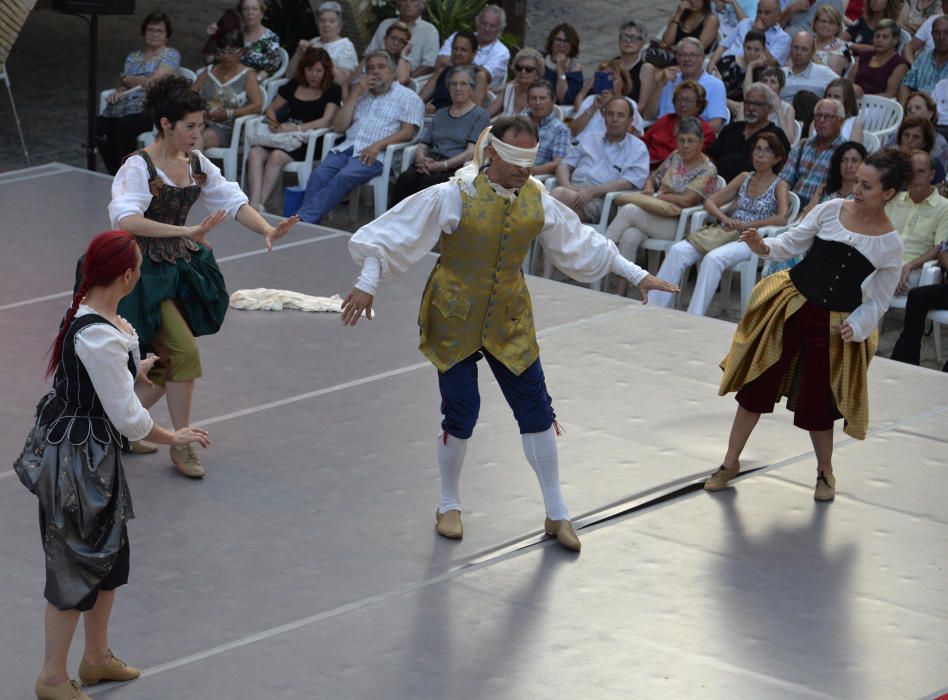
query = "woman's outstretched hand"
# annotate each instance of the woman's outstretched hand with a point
(353, 306)
(755, 241)
(199, 233)
(281, 229)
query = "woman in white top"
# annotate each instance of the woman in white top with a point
(181, 293)
(527, 67)
(809, 332)
(341, 50)
(73, 456)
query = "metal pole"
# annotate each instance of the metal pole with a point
(92, 100)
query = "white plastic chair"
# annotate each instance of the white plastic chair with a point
(880, 115)
(280, 72)
(186, 73)
(228, 155)
(931, 274)
(798, 133)
(870, 141)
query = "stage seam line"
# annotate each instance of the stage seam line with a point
(23, 178)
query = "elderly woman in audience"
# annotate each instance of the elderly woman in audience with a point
(916, 133)
(527, 67)
(435, 93)
(124, 116)
(230, 89)
(920, 104)
(589, 107)
(633, 40)
(831, 50)
(554, 134)
(880, 71)
(760, 197)
(397, 43)
(261, 45)
(308, 101)
(662, 137)
(692, 18)
(341, 50)
(448, 141)
(561, 66)
(685, 179)
(842, 91)
(860, 35)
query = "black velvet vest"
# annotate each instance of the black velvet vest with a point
(831, 275)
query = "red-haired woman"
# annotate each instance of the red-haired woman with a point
(72, 462)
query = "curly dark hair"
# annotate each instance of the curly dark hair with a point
(893, 165)
(172, 98)
(834, 175)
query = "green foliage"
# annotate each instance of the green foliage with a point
(448, 16)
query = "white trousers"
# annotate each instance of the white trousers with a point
(682, 256)
(633, 225)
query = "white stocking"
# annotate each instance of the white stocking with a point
(451, 451)
(540, 449)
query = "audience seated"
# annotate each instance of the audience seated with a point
(760, 199)
(343, 53)
(661, 138)
(880, 71)
(798, 15)
(843, 92)
(448, 141)
(435, 93)
(840, 175)
(830, 49)
(930, 65)
(732, 150)
(491, 55)
(589, 108)
(809, 159)
(425, 42)
(692, 18)
(378, 112)
(735, 71)
(915, 12)
(685, 179)
(920, 104)
(939, 97)
(918, 134)
(783, 115)
(803, 74)
(860, 34)
(776, 42)
(527, 68)
(689, 67)
(230, 89)
(308, 101)
(397, 43)
(124, 117)
(554, 134)
(561, 66)
(261, 45)
(730, 13)
(633, 40)
(920, 301)
(923, 38)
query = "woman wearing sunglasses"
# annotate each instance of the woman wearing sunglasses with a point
(527, 68)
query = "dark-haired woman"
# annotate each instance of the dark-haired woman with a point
(261, 45)
(692, 18)
(561, 68)
(124, 116)
(308, 101)
(810, 332)
(73, 456)
(181, 293)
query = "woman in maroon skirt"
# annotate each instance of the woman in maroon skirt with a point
(810, 332)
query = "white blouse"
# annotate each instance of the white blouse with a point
(103, 350)
(131, 195)
(341, 51)
(884, 252)
(405, 233)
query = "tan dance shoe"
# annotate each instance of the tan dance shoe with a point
(825, 487)
(142, 447)
(114, 670)
(449, 524)
(187, 462)
(719, 479)
(563, 531)
(67, 690)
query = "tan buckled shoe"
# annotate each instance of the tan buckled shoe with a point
(563, 531)
(719, 479)
(449, 524)
(825, 487)
(187, 462)
(67, 690)
(114, 670)
(142, 447)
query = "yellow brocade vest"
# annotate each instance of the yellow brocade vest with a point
(476, 296)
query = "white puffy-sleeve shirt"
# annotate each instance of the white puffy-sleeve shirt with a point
(404, 234)
(103, 350)
(131, 195)
(884, 252)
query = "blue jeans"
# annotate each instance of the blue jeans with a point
(336, 176)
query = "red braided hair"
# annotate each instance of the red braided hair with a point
(109, 255)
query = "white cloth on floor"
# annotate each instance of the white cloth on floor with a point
(281, 299)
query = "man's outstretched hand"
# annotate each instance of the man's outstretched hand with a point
(353, 306)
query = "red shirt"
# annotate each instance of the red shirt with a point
(660, 137)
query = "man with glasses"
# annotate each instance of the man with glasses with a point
(491, 55)
(802, 73)
(777, 46)
(690, 57)
(424, 37)
(731, 151)
(930, 66)
(809, 160)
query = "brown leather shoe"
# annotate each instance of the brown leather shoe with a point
(449, 524)
(142, 447)
(825, 487)
(67, 690)
(187, 462)
(563, 531)
(114, 670)
(719, 479)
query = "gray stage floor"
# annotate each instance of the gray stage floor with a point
(306, 565)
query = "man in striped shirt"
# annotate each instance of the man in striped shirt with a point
(809, 160)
